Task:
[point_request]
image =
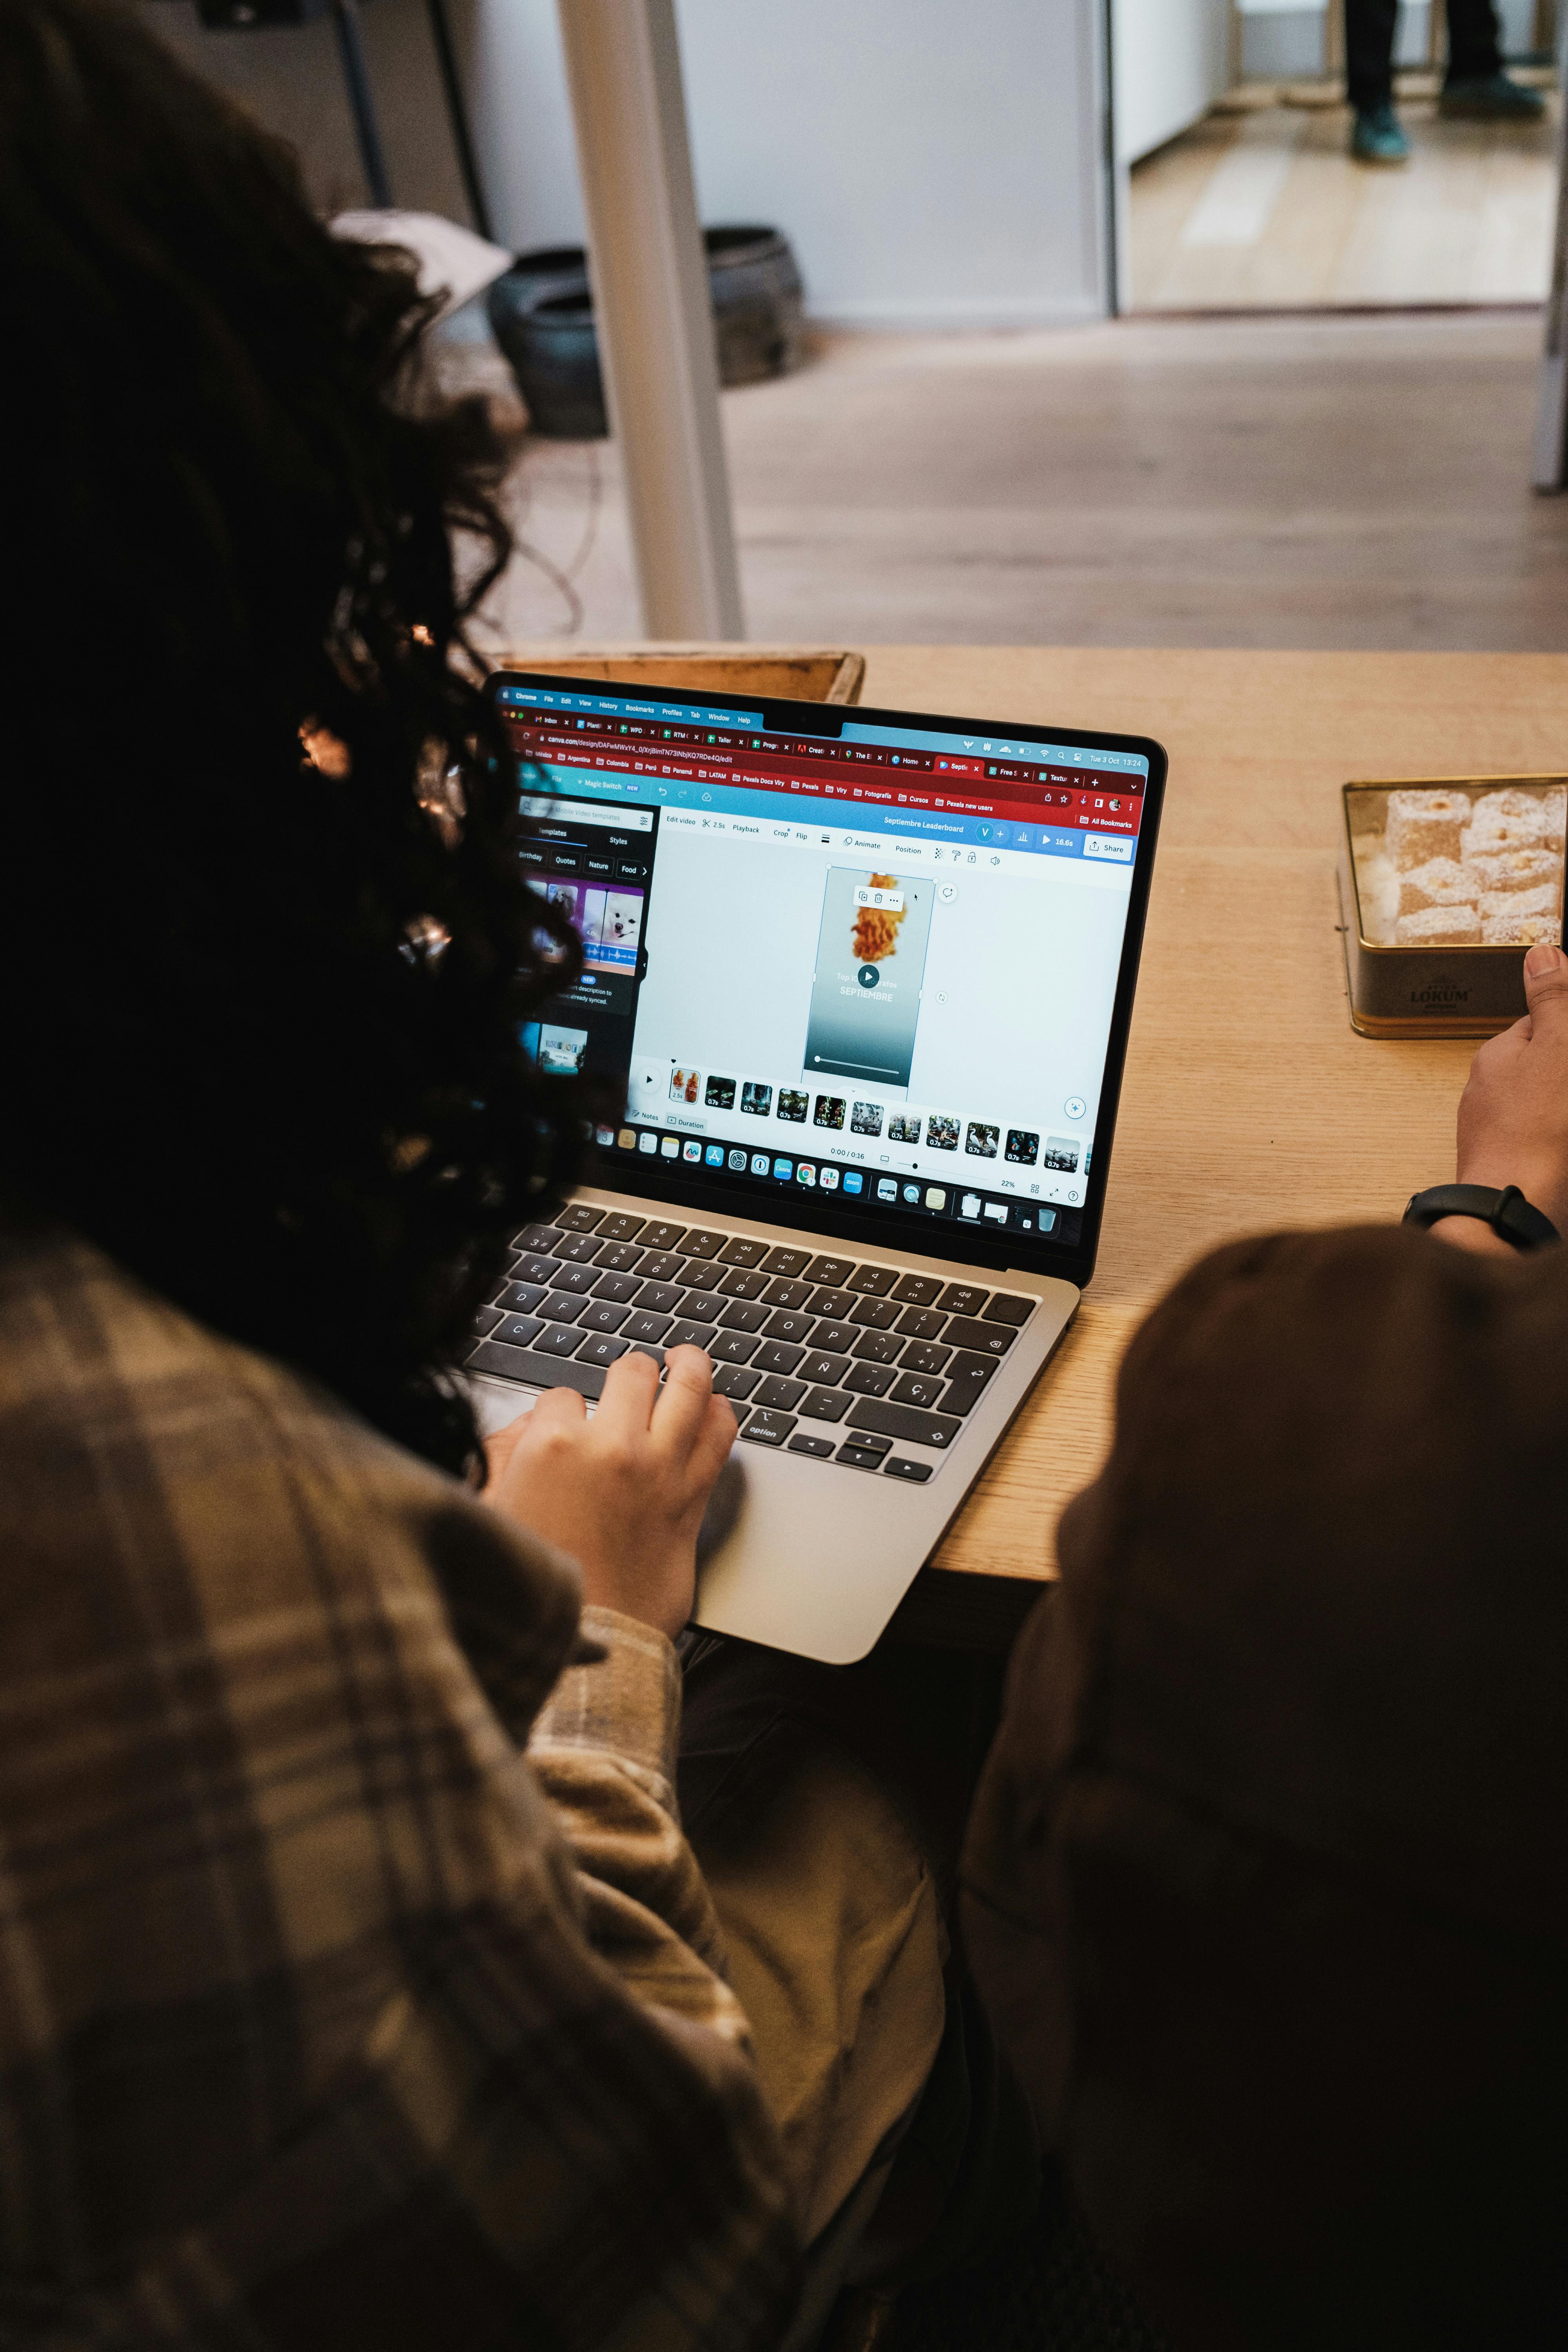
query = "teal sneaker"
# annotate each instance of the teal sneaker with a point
(1377, 137)
(1490, 98)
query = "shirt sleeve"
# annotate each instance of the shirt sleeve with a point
(373, 2024)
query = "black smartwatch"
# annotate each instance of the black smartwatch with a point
(1508, 1212)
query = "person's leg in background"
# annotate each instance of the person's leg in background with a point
(1375, 134)
(1476, 86)
(827, 1807)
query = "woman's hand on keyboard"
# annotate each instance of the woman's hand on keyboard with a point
(624, 1492)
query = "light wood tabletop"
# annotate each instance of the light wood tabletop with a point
(1250, 1103)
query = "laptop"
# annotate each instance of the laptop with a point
(863, 980)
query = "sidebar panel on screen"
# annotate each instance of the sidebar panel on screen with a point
(596, 865)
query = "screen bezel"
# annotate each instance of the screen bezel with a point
(962, 1244)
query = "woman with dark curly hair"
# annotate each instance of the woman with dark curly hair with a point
(328, 2014)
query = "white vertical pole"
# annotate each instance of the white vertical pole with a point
(650, 302)
(1549, 468)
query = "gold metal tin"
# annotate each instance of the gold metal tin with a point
(1423, 992)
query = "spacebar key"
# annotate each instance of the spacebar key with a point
(539, 1371)
(893, 1420)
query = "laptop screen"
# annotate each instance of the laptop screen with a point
(876, 961)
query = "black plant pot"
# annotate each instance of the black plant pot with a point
(541, 315)
(758, 302)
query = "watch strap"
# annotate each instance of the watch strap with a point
(1508, 1212)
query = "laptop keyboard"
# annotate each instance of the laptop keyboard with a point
(839, 1359)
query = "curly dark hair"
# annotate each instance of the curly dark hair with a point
(262, 1009)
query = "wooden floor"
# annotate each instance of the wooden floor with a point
(1266, 209)
(1279, 482)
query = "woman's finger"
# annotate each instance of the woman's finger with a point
(631, 1385)
(683, 1401)
(556, 1409)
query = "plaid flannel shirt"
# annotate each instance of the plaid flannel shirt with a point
(357, 1987)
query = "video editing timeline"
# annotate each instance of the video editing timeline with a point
(878, 964)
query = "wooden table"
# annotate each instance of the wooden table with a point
(1249, 1102)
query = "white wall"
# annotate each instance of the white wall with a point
(1171, 61)
(935, 165)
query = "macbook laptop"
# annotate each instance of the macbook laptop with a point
(863, 980)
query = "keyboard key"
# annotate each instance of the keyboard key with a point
(906, 1421)
(649, 1328)
(899, 1465)
(660, 1265)
(920, 1355)
(780, 1396)
(859, 1457)
(1006, 1308)
(869, 1380)
(579, 1218)
(536, 1237)
(562, 1306)
(540, 1371)
(616, 1287)
(739, 1252)
(578, 1249)
(618, 1258)
(697, 1276)
(743, 1315)
(660, 1297)
(697, 1307)
(872, 1281)
(878, 1347)
(577, 1280)
(773, 1357)
(826, 1404)
(962, 1298)
(601, 1348)
(766, 1428)
(872, 1443)
(690, 1335)
(702, 1244)
(875, 1314)
(743, 1282)
(918, 1290)
(534, 1269)
(826, 1371)
(663, 1237)
(790, 1261)
(601, 1315)
(830, 1269)
(517, 1330)
(919, 1388)
(921, 1323)
(804, 1442)
(792, 1295)
(558, 1340)
(839, 1336)
(734, 1380)
(485, 1318)
(621, 1228)
(836, 1303)
(655, 1354)
(795, 1329)
(519, 1297)
(985, 1338)
(967, 1379)
(733, 1348)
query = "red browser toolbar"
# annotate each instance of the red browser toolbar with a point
(1105, 799)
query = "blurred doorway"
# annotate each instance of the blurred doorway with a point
(1257, 204)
